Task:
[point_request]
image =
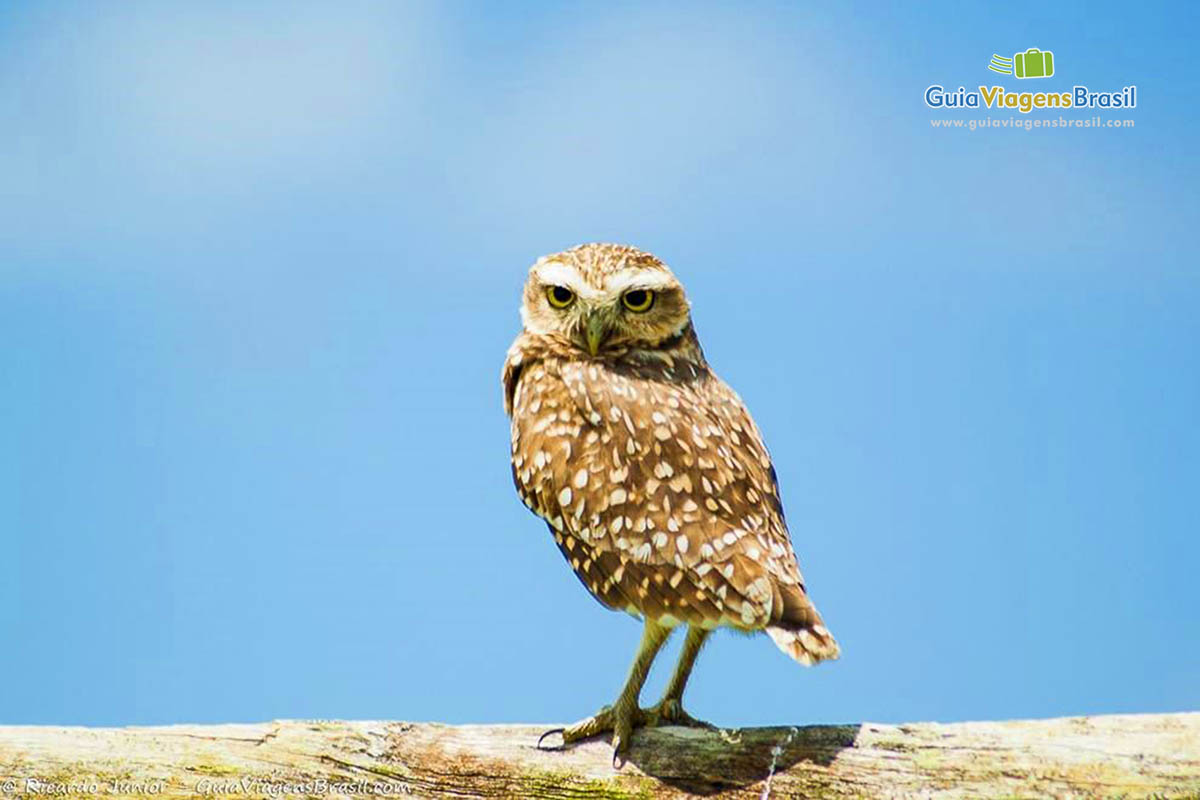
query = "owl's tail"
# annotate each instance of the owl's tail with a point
(798, 630)
(807, 645)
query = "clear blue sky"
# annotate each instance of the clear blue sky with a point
(260, 262)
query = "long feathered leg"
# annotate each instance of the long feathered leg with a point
(669, 710)
(624, 715)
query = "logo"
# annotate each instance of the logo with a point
(1033, 63)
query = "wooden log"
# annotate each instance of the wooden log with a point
(1147, 755)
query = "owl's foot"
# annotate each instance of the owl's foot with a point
(669, 711)
(619, 720)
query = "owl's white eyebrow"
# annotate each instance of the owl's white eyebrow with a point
(639, 279)
(556, 273)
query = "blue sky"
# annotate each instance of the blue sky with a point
(259, 265)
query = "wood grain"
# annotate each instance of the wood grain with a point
(1084, 757)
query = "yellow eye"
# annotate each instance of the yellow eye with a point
(560, 296)
(638, 300)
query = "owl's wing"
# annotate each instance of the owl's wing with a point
(669, 489)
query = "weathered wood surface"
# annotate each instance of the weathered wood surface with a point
(1086, 757)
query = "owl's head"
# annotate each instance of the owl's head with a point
(605, 297)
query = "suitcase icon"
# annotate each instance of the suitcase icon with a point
(1034, 63)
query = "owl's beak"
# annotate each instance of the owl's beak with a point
(597, 331)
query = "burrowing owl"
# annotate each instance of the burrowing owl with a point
(649, 471)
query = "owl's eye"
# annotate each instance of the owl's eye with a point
(638, 300)
(560, 296)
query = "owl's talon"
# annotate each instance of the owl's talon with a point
(623, 732)
(551, 732)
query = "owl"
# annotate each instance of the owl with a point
(649, 472)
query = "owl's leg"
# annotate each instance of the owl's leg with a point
(669, 710)
(622, 716)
